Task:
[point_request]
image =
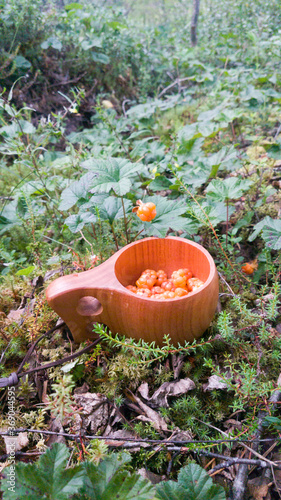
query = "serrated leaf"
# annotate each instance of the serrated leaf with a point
(252, 93)
(112, 174)
(259, 226)
(170, 490)
(106, 481)
(216, 212)
(168, 216)
(207, 128)
(227, 189)
(206, 116)
(272, 234)
(77, 192)
(195, 175)
(112, 209)
(46, 478)
(160, 183)
(193, 484)
(187, 132)
(52, 41)
(76, 222)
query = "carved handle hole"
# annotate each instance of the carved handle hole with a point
(89, 306)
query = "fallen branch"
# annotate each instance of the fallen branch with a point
(240, 482)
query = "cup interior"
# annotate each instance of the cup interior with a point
(168, 254)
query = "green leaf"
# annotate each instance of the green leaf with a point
(227, 189)
(193, 484)
(26, 271)
(187, 132)
(259, 226)
(195, 175)
(116, 25)
(76, 222)
(160, 183)
(9, 217)
(112, 209)
(77, 192)
(74, 6)
(206, 116)
(251, 93)
(106, 481)
(46, 478)
(53, 42)
(112, 174)
(168, 216)
(100, 58)
(216, 212)
(207, 128)
(93, 42)
(22, 63)
(272, 234)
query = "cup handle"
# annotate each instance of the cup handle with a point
(84, 298)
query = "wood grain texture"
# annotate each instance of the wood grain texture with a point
(100, 294)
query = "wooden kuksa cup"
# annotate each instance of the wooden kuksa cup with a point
(99, 295)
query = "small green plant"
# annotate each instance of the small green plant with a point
(52, 479)
(60, 401)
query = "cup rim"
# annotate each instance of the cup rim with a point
(199, 247)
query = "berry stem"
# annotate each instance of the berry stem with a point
(125, 220)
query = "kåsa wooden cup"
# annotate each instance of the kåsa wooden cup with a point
(99, 295)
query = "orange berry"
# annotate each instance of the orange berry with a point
(147, 279)
(144, 292)
(180, 292)
(250, 267)
(161, 276)
(168, 285)
(179, 281)
(155, 290)
(146, 211)
(156, 285)
(194, 284)
(169, 295)
(185, 272)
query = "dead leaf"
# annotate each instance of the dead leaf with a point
(153, 478)
(94, 412)
(215, 382)
(258, 488)
(144, 390)
(56, 426)
(15, 443)
(168, 389)
(232, 424)
(180, 435)
(81, 390)
(177, 364)
(17, 315)
(157, 421)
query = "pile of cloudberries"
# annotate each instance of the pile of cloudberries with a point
(157, 286)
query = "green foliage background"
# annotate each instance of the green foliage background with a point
(106, 103)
